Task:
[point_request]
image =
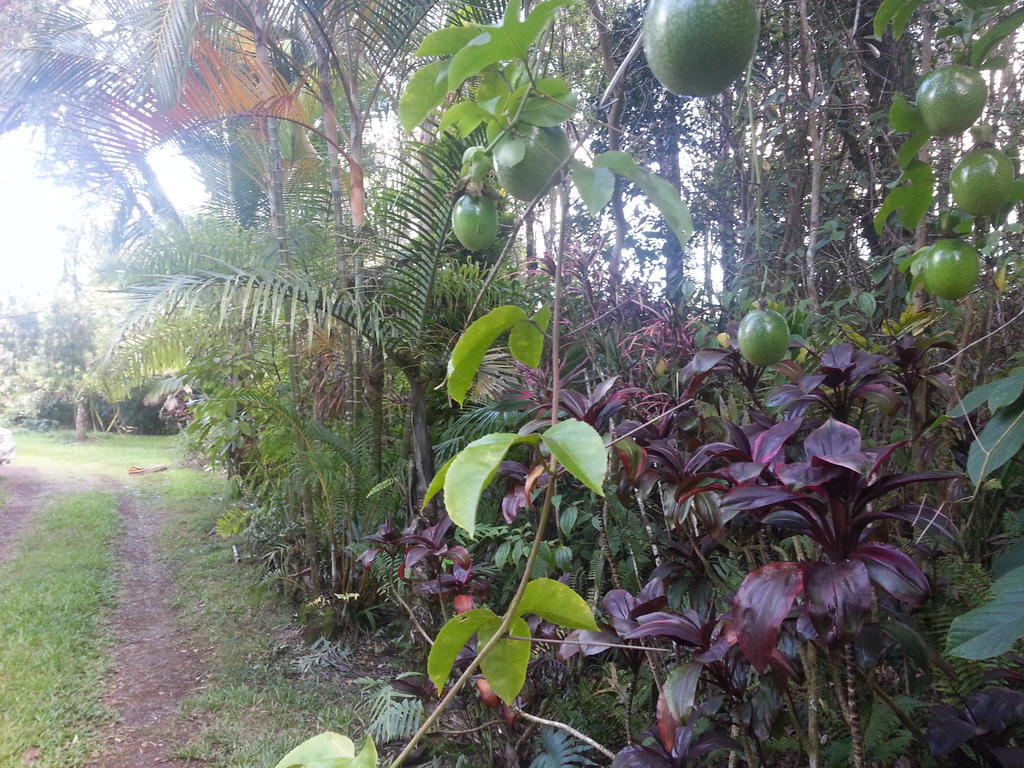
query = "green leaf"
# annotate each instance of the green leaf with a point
(470, 472)
(903, 117)
(554, 107)
(464, 117)
(447, 41)
(509, 41)
(898, 12)
(1006, 390)
(328, 750)
(526, 339)
(658, 190)
(908, 149)
(426, 90)
(866, 302)
(911, 196)
(367, 757)
(558, 603)
(510, 151)
(595, 185)
(1008, 558)
(993, 628)
(450, 641)
(995, 35)
(505, 666)
(579, 449)
(438, 482)
(999, 442)
(473, 344)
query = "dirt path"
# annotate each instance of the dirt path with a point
(155, 665)
(24, 489)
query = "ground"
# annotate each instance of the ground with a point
(140, 641)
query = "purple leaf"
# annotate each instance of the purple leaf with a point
(642, 757)
(833, 438)
(767, 445)
(838, 597)
(894, 571)
(762, 602)
(751, 497)
(680, 689)
(743, 472)
(586, 641)
(800, 474)
(889, 483)
(679, 627)
(946, 735)
(926, 519)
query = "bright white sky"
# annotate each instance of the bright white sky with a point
(39, 219)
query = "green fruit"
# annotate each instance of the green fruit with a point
(699, 47)
(475, 221)
(763, 337)
(538, 167)
(951, 99)
(950, 269)
(982, 181)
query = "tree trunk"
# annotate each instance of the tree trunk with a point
(81, 418)
(422, 448)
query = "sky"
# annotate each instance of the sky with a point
(40, 218)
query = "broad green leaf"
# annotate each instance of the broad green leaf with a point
(505, 666)
(470, 349)
(447, 41)
(426, 90)
(509, 41)
(898, 12)
(658, 190)
(450, 641)
(1007, 390)
(526, 339)
(908, 149)
(579, 449)
(595, 185)
(911, 195)
(903, 117)
(438, 482)
(558, 603)
(328, 750)
(1008, 558)
(464, 117)
(367, 757)
(509, 152)
(993, 628)
(866, 302)
(554, 107)
(995, 35)
(999, 442)
(470, 472)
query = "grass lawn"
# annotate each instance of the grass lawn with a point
(55, 596)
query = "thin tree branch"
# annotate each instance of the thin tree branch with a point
(568, 729)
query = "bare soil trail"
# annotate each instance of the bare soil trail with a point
(156, 666)
(24, 489)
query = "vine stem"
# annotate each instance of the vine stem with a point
(542, 519)
(568, 729)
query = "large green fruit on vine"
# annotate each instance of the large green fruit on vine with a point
(951, 268)
(763, 337)
(699, 47)
(537, 167)
(475, 221)
(982, 181)
(951, 99)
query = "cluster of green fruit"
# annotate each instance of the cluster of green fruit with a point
(527, 160)
(950, 100)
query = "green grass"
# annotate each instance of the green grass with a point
(255, 708)
(105, 454)
(55, 597)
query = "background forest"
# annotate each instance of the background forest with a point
(816, 562)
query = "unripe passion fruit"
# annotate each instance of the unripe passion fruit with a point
(951, 268)
(547, 150)
(699, 47)
(982, 181)
(763, 337)
(951, 99)
(475, 221)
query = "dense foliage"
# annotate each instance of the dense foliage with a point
(555, 453)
